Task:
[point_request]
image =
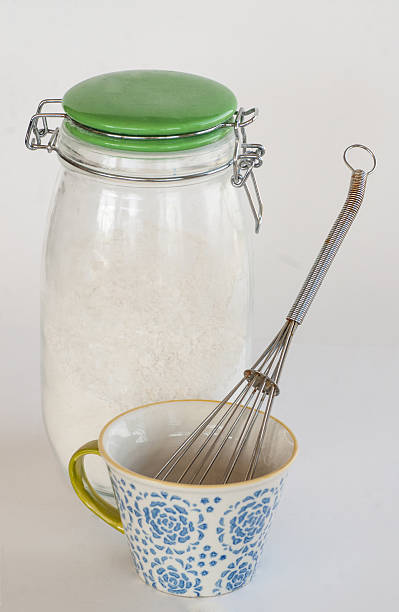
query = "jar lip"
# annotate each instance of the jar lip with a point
(151, 166)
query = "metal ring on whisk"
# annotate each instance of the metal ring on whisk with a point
(360, 146)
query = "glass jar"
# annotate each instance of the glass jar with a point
(146, 284)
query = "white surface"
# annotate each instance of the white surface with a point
(333, 543)
(324, 76)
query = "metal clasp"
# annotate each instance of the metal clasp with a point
(246, 158)
(38, 128)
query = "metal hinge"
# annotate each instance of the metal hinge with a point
(38, 128)
(246, 158)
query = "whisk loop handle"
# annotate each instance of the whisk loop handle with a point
(333, 241)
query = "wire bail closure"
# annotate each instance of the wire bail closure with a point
(38, 128)
(246, 156)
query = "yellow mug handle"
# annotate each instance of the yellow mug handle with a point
(85, 491)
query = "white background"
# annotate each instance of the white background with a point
(324, 75)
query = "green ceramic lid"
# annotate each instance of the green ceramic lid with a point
(148, 103)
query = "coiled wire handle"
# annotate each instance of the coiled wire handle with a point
(334, 239)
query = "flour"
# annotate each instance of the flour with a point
(138, 309)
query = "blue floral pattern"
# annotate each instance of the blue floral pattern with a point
(245, 525)
(236, 575)
(175, 576)
(172, 523)
(186, 547)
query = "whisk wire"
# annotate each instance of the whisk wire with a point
(224, 439)
(182, 449)
(212, 436)
(269, 388)
(241, 403)
(180, 452)
(290, 328)
(245, 433)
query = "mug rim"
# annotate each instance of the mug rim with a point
(108, 459)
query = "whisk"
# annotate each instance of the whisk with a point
(230, 424)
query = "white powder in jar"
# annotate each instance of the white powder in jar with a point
(132, 315)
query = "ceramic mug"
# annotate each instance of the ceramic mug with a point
(190, 540)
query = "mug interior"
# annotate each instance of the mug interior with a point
(143, 439)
